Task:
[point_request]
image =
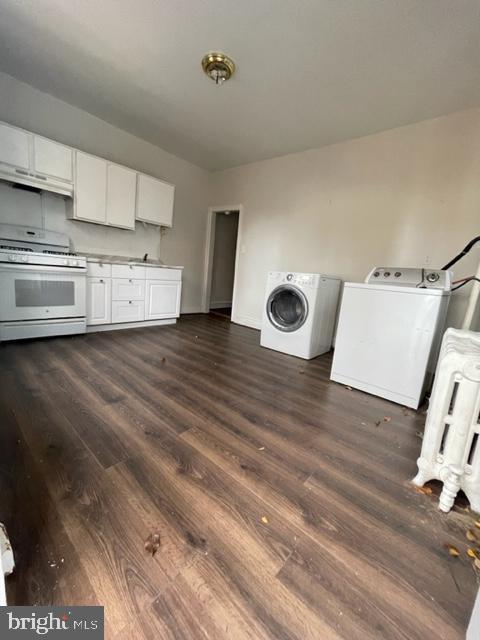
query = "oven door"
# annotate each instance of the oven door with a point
(34, 292)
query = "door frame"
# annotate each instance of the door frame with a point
(209, 247)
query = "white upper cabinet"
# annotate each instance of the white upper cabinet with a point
(103, 192)
(15, 147)
(154, 201)
(33, 160)
(121, 191)
(90, 188)
(52, 159)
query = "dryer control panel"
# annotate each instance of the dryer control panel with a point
(410, 277)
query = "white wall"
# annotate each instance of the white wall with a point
(408, 197)
(223, 263)
(26, 107)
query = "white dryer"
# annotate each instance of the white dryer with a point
(389, 332)
(299, 313)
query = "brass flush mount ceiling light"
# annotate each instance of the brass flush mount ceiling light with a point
(218, 67)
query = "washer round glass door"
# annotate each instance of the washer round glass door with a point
(287, 308)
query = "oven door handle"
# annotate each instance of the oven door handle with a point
(42, 268)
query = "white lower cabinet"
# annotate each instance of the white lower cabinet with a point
(128, 311)
(99, 300)
(128, 289)
(162, 299)
(132, 293)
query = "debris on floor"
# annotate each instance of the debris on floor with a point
(425, 490)
(264, 519)
(152, 543)
(452, 550)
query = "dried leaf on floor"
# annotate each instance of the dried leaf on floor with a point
(419, 434)
(261, 448)
(453, 551)
(378, 423)
(387, 418)
(348, 388)
(471, 553)
(476, 563)
(264, 519)
(152, 543)
(471, 535)
(477, 524)
(425, 490)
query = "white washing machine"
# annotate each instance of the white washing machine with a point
(389, 332)
(299, 313)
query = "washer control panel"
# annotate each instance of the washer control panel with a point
(410, 277)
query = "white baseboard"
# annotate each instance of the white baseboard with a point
(248, 321)
(186, 310)
(220, 305)
(129, 325)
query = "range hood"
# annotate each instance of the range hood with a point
(35, 182)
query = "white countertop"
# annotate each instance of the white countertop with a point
(96, 257)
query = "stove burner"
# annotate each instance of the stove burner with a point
(9, 248)
(59, 253)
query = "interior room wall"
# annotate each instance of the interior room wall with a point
(184, 244)
(408, 196)
(223, 263)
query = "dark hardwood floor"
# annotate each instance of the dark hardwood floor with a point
(281, 499)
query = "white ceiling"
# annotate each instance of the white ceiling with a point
(310, 72)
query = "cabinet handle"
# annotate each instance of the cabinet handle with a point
(130, 280)
(129, 302)
(101, 280)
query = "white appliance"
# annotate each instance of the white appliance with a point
(299, 313)
(42, 284)
(389, 332)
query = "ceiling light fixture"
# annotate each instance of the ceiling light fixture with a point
(218, 67)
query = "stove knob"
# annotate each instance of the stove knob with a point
(24, 258)
(376, 274)
(386, 274)
(74, 263)
(65, 261)
(12, 258)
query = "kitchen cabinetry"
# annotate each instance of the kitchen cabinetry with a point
(30, 159)
(99, 301)
(52, 159)
(162, 293)
(104, 192)
(154, 201)
(90, 202)
(121, 191)
(121, 294)
(14, 147)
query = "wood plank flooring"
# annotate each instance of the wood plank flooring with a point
(281, 499)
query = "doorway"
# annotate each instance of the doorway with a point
(221, 260)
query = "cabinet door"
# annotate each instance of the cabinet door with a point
(162, 299)
(90, 188)
(52, 159)
(154, 201)
(128, 311)
(14, 147)
(99, 295)
(121, 191)
(128, 289)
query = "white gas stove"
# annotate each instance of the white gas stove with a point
(42, 284)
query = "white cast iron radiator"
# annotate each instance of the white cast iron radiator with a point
(450, 450)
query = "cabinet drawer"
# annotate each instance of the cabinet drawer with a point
(128, 271)
(128, 289)
(128, 311)
(161, 273)
(99, 270)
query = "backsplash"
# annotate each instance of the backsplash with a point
(47, 211)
